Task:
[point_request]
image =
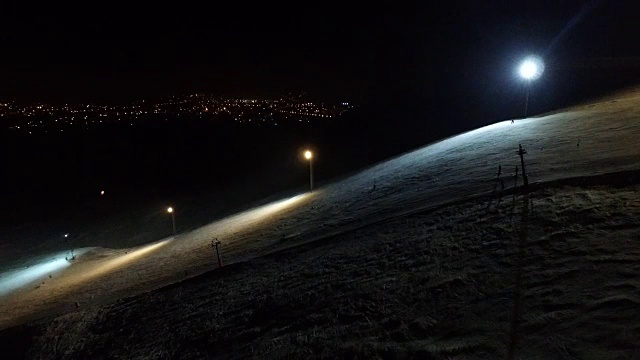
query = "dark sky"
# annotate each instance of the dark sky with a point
(403, 52)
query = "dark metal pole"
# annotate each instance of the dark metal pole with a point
(311, 174)
(521, 152)
(173, 221)
(72, 255)
(218, 254)
(526, 102)
(216, 243)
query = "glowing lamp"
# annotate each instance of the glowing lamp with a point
(531, 68)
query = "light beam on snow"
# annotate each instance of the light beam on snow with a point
(15, 279)
(122, 260)
(263, 213)
(273, 208)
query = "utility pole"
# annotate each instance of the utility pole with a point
(215, 243)
(521, 152)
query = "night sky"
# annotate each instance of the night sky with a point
(460, 54)
(419, 71)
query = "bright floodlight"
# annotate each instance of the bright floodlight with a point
(102, 192)
(528, 70)
(308, 155)
(531, 68)
(170, 210)
(66, 235)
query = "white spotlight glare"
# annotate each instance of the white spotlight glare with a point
(531, 68)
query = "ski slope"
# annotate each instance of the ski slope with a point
(451, 169)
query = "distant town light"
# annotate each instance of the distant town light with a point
(102, 192)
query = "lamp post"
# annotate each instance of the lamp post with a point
(72, 256)
(173, 219)
(530, 69)
(309, 156)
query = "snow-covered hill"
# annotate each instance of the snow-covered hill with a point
(592, 139)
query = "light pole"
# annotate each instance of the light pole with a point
(526, 101)
(530, 69)
(216, 244)
(173, 219)
(309, 156)
(72, 256)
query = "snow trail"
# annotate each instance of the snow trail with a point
(442, 172)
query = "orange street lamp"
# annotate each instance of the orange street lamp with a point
(173, 219)
(309, 156)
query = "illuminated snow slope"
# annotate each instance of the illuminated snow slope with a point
(608, 133)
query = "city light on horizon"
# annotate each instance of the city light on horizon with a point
(261, 112)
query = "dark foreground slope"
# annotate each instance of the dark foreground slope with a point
(550, 276)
